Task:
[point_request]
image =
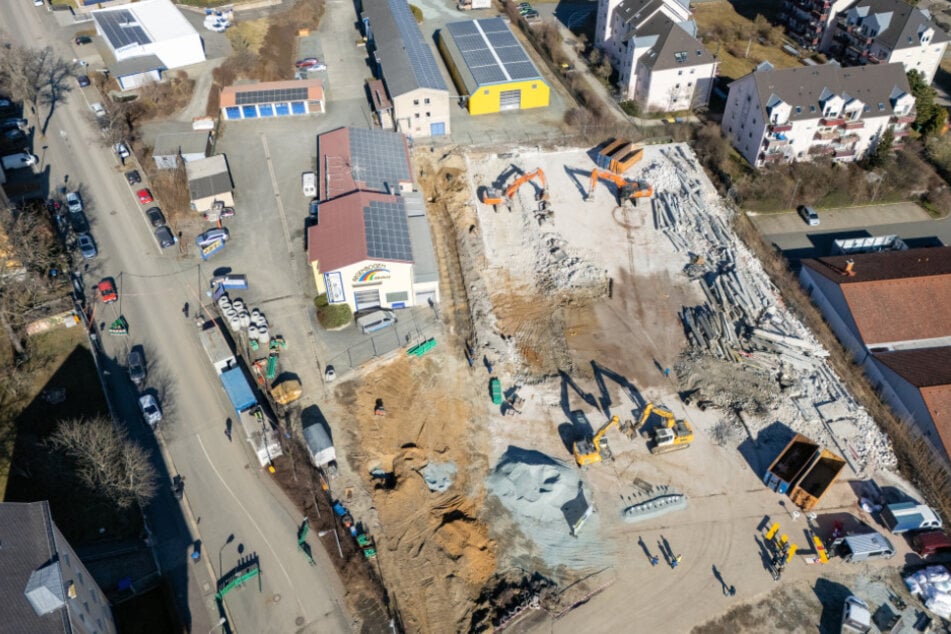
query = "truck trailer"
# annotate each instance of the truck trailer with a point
(217, 347)
(909, 516)
(258, 430)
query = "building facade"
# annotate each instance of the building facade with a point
(272, 99)
(798, 114)
(808, 22)
(152, 27)
(653, 46)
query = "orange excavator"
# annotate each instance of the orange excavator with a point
(627, 190)
(494, 197)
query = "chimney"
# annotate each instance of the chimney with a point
(849, 268)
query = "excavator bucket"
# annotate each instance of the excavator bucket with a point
(491, 196)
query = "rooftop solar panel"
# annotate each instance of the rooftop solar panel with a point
(121, 28)
(244, 98)
(491, 52)
(378, 158)
(421, 58)
(387, 231)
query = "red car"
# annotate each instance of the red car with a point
(107, 290)
(145, 196)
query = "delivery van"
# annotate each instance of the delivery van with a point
(309, 184)
(857, 548)
(377, 320)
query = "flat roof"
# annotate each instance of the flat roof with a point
(208, 177)
(173, 143)
(490, 51)
(272, 92)
(136, 65)
(424, 258)
(141, 23)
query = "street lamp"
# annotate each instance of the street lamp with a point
(336, 536)
(220, 622)
(227, 541)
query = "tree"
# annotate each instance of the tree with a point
(37, 77)
(878, 156)
(107, 461)
(931, 116)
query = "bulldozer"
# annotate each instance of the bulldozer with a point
(494, 197)
(671, 434)
(627, 190)
(594, 450)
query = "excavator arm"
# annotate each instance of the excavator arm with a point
(598, 436)
(524, 178)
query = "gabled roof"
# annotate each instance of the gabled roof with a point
(922, 367)
(175, 143)
(272, 92)
(902, 22)
(349, 159)
(407, 60)
(675, 48)
(489, 52)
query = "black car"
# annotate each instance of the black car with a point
(83, 39)
(78, 221)
(155, 216)
(82, 80)
(164, 236)
(133, 177)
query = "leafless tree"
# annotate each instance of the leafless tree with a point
(36, 76)
(107, 461)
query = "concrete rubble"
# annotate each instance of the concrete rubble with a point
(439, 476)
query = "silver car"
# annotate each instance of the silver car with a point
(150, 410)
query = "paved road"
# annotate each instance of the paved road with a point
(906, 220)
(226, 494)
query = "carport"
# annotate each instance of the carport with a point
(272, 99)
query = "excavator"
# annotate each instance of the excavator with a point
(670, 435)
(627, 190)
(594, 450)
(494, 197)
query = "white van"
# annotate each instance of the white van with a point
(377, 320)
(309, 184)
(857, 548)
(19, 161)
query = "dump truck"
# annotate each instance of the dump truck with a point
(258, 430)
(816, 480)
(791, 463)
(320, 447)
(909, 516)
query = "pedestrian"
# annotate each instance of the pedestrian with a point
(228, 429)
(667, 373)
(185, 310)
(676, 561)
(654, 560)
(731, 591)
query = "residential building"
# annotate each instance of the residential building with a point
(653, 46)
(151, 27)
(262, 100)
(407, 65)
(45, 587)
(808, 21)
(873, 302)
(490, 67)
(371, 246)
(209, 183)
(886, 32)
(171, 147)
(797, 114)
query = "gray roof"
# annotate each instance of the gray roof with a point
(424, 258)
(121, 28)
(31, 582)
(902, 20)
(378, 158)
(804, 86)
(208, 177)
(674, 47)
(489, 52)
(387, 231)
(635, 12)
(173, 143)
(136, 65)
(407, 60)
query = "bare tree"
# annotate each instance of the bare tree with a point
(107, 461)
(35, 76)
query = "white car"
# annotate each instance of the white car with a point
(97, 109)
(73, 202)
(150, 409)
(122, 150)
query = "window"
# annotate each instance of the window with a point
(428, 115)
(881, 107)
(699, 52)
(401, 296)
(485, 92)
(730, 129)
(426, 101)
(812, 109)
(689, 84)
(416, 115)
(798, 109)
(677, 87)
(79, 577)
(680, 72)
(415, 102)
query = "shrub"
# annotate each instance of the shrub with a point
(330, 315)
(631, 108)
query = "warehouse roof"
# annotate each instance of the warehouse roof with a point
(487, 52)
(141, 23)
(208, 177)
(272, 92)
(175, 143)
(407, 60)
(349, 159)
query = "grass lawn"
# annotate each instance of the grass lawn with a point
(251, 32)
(725, 28)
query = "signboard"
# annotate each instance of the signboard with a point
(372, 274)
(211, 248)
(333, 282)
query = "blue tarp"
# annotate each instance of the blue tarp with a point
(238, 389)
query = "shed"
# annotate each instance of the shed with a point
(137, 71)
(190, 146)
(209, 181)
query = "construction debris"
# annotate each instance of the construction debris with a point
(652, 503)
(439, 476)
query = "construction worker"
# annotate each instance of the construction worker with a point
(655, 560)
(676, 561)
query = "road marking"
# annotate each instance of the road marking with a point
(250, 517)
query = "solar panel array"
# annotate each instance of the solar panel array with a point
(491, 52)
(243, 98)
(387, 231)
(121, 28)
(420, 56)
(378, 158)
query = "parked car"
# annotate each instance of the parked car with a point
(14, 136)
(78, 222)
(107, 290)
(133, 178)
(154, 214)
(145, 196)
(136, 363)
(122, 150)
(97, 109)
(809, 215)
(87, 246)
(14, 123)
(83, 80)
(150, 410)
(73, 202)
(529, 14)
(211, 235)
(310, 63)
(165, 237)
(5, 103)
(82, 39)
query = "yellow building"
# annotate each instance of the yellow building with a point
(490, 67)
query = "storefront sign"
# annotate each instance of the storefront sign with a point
(373, 274)
(334, 285)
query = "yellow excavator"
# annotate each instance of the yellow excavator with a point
(627, 190)
(495, 197)
(594, 450)
(670, 434)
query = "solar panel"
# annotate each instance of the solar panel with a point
(121, 28)
(420, 56)
(387, 231)
(378, 158)
(491, 52)
(248, 97)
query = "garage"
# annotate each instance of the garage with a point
(425, 298)
(272, 99)
(510, 100)
(367, 299)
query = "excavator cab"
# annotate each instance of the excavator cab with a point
(669, 433)
(594, 450)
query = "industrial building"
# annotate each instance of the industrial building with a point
(406, 64)
(371, 246)
(272, 99)
(873, 302)
(491, 68)
(150, 28)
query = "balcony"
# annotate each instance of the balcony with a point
(821, 150)
(831, 123)
(844, 154)
(827, 135)
(780, 128)
(772, 157)
(853, 125)
(910, 118)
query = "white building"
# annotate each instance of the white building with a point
(152, 27)
(884, 32)
(652, 44)
(797, 114)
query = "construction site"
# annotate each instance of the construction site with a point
(620, 413)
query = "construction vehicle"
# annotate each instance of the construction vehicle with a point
(627, 190)
(494, 197)
(670, 434)
(594, 450)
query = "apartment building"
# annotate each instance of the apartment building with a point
(808, 21)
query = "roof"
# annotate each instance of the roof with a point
(208, 177)
(272, 92)
(360, 226)
(238, 389)
(922, 367)
(675, 47)
(31, 581)
(803, 87)
(904, 22)
(174, 143)
(349, 159)
(378, 95)
(136, 65)
(488, 51)
(937, 399)
(885, 293)
(424, 257)
(406, 59)
(141, 23)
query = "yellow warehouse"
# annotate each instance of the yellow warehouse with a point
(490, 67)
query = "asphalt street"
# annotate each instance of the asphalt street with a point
(225, 493)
